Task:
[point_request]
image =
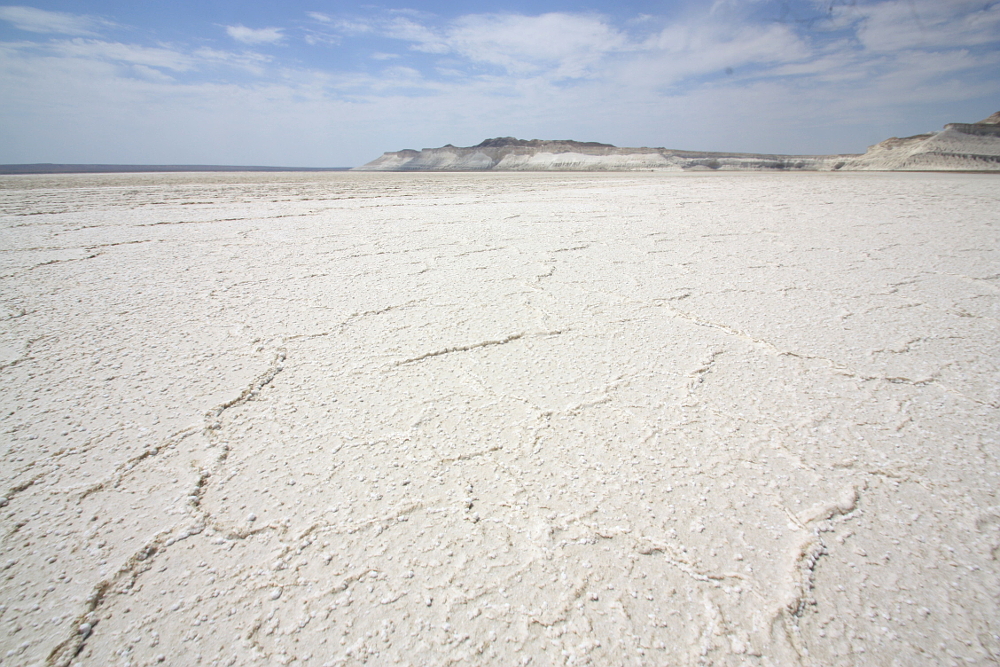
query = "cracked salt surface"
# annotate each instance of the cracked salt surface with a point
(331, 419)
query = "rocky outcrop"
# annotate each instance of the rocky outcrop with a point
(959, 147)
(510, 154)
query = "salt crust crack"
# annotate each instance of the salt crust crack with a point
(126, 576)
(475, 346)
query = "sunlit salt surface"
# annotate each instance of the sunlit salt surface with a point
(499, 419)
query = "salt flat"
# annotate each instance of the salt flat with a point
(500, 418)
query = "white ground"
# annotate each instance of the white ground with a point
(497, 419)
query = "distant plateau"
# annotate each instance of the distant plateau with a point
(958, 147)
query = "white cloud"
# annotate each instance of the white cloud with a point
(681, 51)
(570, 45)
(406, 29)
(400, 75)
(254, 36)
(141, 58)
(562, 46)
(139, 55)
(906, 24)
(838, 65)
(42, 21)
(353, 27)
(151, 73)
(247, 60)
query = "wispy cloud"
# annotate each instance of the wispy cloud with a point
(568, 45)
(564, 46)
(142, 58)
(247, 35)
(682, 51)
(92, 49)
(921, 24)
(42, 21)
(318, 16)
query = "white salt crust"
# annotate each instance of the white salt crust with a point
(499, 419)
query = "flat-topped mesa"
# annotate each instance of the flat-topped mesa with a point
(958, 147)
(984, 128)
(512, 154)
(507, 142)
(992, 120)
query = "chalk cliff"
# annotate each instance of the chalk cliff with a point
(958, 147)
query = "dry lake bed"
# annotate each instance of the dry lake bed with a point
(500, 419)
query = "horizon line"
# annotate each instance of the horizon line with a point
(83, 168)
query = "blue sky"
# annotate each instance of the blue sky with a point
(321, 83)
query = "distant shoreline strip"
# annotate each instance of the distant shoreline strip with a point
(47, 168)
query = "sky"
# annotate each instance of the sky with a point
(324, 83)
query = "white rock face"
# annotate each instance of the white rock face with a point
(959, 147)
(493, 418)
(508, 154)
(572, 161)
